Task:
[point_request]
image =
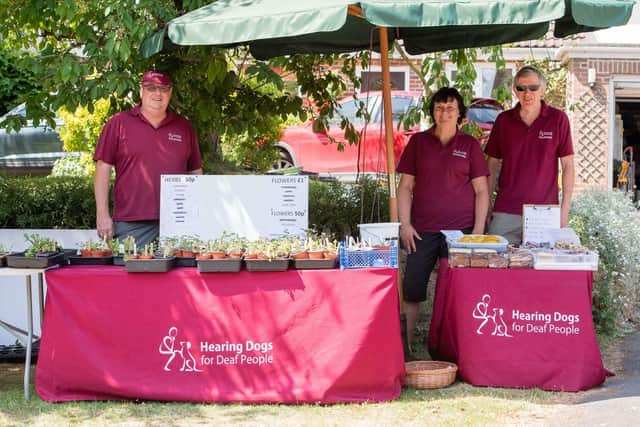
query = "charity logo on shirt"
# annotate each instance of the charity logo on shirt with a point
(545, 135)
(175, 137)
(459, 153)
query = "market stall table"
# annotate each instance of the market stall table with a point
(26, 337)
(517, 327)
(296, 336)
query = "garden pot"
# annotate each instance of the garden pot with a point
(301, 255)
(316, 254)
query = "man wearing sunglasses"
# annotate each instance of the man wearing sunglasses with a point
(141, 144)
(524, 145)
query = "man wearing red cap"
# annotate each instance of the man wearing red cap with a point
(141, 144)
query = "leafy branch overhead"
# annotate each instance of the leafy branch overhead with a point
(80, 51)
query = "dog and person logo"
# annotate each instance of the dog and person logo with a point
(179, 353)
(494, 320)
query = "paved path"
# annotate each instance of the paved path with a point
(616, 403)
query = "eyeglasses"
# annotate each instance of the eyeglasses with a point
(154, 88)
(531, 88)
(449, 109)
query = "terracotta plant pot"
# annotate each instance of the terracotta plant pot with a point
(132, 257)
(301, 255)
(262, 256)
(107, 252)
(217, 255)
(187, 254)
(330, 255)
(250, 256)
(85, 252)
(146, 257)
(235, 254)
(178, 253)
(203, 256)
(316, 254)
(96, 253)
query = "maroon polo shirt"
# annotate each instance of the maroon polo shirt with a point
(529, 172)
(141, 153)
(443, 196)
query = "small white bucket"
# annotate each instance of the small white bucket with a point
(380, 233)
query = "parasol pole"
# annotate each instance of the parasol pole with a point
(391, 166)
(388, 123)
(391, 163)
(356, 10)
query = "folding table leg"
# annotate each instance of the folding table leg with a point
(27, 361)
(41, 299)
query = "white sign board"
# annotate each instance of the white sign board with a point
(249, 205)
(536, 219)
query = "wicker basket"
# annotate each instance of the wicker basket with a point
(429, 374)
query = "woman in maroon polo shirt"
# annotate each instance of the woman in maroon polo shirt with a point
(443, 186)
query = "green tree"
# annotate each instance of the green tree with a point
(13, 79)
(84, 50)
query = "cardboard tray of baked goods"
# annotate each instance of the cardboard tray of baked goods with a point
(565, 260)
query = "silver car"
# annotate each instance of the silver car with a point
(33, 149)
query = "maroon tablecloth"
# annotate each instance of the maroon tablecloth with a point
(517, 327)
(296, 336)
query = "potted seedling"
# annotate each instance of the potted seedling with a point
(271, 255)
(299, 249)
(215, 256)
(130, 249)
(151, 259)
(235, 246)
(42, 252)
(315, 247)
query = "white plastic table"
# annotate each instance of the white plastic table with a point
(26, 337)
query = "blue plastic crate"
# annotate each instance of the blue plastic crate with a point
(350, 258)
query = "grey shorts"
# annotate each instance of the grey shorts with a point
(507, 225)
(143, 231)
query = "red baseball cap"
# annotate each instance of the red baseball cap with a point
(156, 78)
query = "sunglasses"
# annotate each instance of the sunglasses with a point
(531, 88)
(154, 88)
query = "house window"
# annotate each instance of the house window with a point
(487, 81)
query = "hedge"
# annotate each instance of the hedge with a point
(68, 202)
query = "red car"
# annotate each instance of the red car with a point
(484, 111)
(314, 152)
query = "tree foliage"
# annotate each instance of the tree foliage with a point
(80, 51)
(13, 79)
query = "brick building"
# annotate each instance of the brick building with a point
(603, 92)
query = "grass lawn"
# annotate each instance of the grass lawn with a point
(459, 404)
